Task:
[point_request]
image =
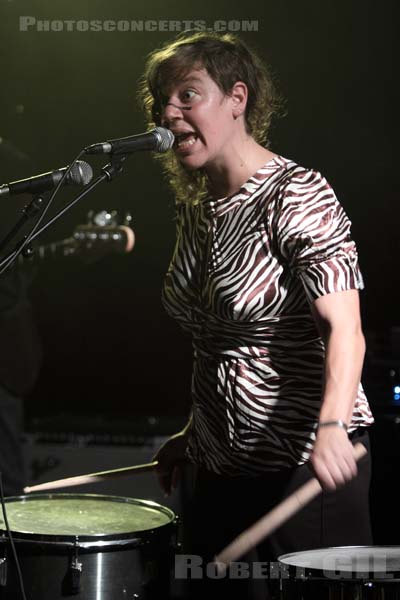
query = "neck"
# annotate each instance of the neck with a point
(237, 165)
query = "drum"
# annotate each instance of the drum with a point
(87, 547)
(342, 573)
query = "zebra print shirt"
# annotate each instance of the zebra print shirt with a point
(243, 275)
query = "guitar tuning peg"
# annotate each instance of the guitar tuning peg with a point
(114, 218)
(106, 218)
(127, 219)
(28, 251)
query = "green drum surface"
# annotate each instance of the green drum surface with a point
(83, 515)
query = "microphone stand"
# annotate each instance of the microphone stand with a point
(28, 212)
(110, 171)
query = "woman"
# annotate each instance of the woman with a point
(265, 276)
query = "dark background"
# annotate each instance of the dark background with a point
(109, 348)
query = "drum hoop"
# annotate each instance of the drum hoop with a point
(135, 538)
(80, 544)
(365, 576)
(361, 580)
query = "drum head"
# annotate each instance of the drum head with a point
(86, 516)
(347, 562)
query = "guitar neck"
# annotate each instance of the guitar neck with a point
(54, 250)
(89, 242)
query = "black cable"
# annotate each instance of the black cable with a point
(10, 537)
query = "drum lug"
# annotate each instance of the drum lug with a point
(72, 580)
(3, 572)
(176, 539)
(75, 572)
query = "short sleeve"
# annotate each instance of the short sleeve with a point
(314, 236)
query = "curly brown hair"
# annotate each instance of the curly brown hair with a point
(227, 60)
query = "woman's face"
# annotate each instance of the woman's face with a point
(201, 117)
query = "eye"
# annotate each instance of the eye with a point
(188, 95)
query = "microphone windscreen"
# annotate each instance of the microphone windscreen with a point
(165, 139)
(81, 173)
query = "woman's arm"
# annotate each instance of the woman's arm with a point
(170, 457)
(338, 318)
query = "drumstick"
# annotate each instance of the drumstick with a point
(92, 477)
(252, 536)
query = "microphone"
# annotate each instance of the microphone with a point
(157, 140)
(80, 174)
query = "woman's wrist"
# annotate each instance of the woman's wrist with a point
(333, 423)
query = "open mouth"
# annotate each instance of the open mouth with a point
(183, 141)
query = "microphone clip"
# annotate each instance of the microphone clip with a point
(114, 167)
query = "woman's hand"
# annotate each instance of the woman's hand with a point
(333, 458)
(170, 457)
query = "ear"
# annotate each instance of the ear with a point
(239, 96)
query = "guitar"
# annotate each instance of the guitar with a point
(99, 237)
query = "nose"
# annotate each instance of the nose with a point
(170, 113)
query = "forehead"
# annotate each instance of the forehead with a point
(198, 77)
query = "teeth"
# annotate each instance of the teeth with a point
(187, 142)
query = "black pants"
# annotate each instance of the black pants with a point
(223, 507)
